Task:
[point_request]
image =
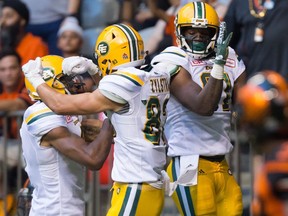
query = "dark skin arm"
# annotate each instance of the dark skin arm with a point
(91, 155)
(193, 97)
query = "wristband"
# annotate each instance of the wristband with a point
(93, 69)
(36, 81)
(217, 72)
(219, 60)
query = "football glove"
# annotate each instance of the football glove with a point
(222, 45)
(75, 65)
(222, 52)
(33, 72)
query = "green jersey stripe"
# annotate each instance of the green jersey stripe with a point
(127, 77)
(39, 117)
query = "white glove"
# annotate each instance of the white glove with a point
(166, 182)
(78, 65)
(33, 72)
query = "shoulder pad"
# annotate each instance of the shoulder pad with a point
(172, 55)
(40, 120)
(124, 83)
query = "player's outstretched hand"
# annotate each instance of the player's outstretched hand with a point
(75, 65)
(33, 72)
(222, 45)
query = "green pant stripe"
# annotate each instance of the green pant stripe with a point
(136, 200)
(121, 213)
(174, 176)
(189, 200)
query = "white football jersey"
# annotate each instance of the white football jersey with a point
(58, 181)
(139, 154)
(189, 133)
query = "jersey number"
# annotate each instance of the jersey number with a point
(227, 100)
(152, 129)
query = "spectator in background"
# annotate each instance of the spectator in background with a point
(70, 37)
(139, 14)
(13, 96)
(70, 41)
(260, 34)
(46, 18)
(13, 20)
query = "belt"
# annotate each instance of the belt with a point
(216, 158)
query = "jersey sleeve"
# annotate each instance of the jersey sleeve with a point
(122, 85)
(172, 56)
(41, 121)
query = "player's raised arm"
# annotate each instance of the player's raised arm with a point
(86, 103)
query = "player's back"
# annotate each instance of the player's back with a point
(139, 148)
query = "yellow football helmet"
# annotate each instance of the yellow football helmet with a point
(53, 76)
(197, 15)
(118, 45)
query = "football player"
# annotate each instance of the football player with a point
(137, 99)
(197, 134)
(137, 95)
(53, 150)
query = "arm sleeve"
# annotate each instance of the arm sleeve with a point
(41, 121)
(122, 86)
(172, 56)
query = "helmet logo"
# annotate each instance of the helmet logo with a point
(125, 56)
(103, 48)
(47, 74)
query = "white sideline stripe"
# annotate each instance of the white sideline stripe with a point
(131, 199)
